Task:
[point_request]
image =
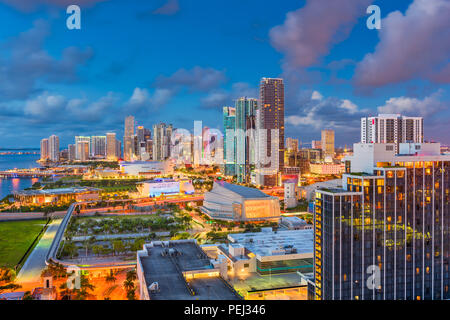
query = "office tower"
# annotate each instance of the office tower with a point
(384, 235)
(391, 128)
(149, 148)
(270, 132)
(82, 150)
(229, 141)
(244, 137)
(140, 132)
(98, 146)
(71, 152)
(111, 146)
(53, 148)
(78, 140)
(316, 144)
(128, 141)
(45, 155)
(162, 134)
(291, 145)
(327, 143)
(119, 152)
(147, 134)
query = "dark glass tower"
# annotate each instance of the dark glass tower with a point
(391, 224)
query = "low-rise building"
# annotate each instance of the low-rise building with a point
(295, 223)
(56, 196)
(327, 168)
(181, 270)
(146, 168)
(233, 202)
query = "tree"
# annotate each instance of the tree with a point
(131, 275)
(111, 277)
(118, 246)
(131, 294)
(128, 284)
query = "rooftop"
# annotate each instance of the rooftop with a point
(167, 271)
(269, 243)
(55, 191)
(245, 192)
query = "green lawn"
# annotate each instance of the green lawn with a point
(15, 238)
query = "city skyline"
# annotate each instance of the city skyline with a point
(80, 81)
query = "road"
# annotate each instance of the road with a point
(31, 270)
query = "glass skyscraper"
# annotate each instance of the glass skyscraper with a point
(385, 234)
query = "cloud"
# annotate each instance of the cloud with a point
(45, 106)
(25, 64)
(319, 112)
(195, 79)
(415, 45)
(32, 5)
(221, 97)
(169, 8)
(309, 32)
(142, 99)
(414, 107)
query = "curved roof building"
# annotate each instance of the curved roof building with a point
(238, 203)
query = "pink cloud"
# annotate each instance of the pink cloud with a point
(415, 45)
(309, 32)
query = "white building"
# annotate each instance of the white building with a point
(290, 194)
(53, 148)
(391, 128)
(233, 202)
(146, 168)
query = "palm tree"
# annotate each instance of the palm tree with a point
(110, 277)
(131, 275)
(128, 284)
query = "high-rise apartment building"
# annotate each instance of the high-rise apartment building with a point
(385, 234)
(327, 143)
(391, 128)
(161, 141)
(45, 155)
(128, 140)
(79, 140)
(98, 146)
(71, 148)
(291, 145)
(53, 148)
(229, 140)
(245, 137)
(111, 145)
(82, 150)
(270, 132)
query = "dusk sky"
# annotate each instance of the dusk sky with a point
(177, 61)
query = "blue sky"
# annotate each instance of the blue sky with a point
(177, 61)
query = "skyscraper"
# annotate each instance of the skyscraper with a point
(44, 150)
(391, 128)
(229, 141)
(161, 141)
(78, 140)
(385, 234)
(128, 141)
(111, 145)
(53, 148)
(245, 137)
(270, 132)
(71, 152)
(98, 146)
(82, 150)
(327, 143)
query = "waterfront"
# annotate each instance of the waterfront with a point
(22, 161)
